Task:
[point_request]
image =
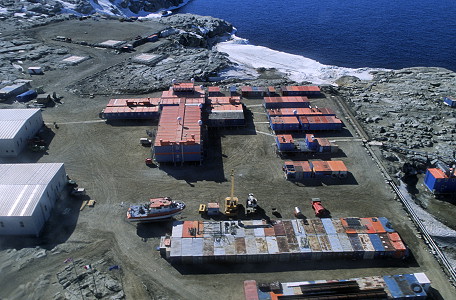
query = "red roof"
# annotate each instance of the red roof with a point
(305, 165)
(224, 100)
(179, 124)
(337, 166)
(286, 99)
(323, 142)
(134, 102)
(284, 120)
(213, 89)
(183, 86)
(319, 119)
(227, 107)
(299, 111)
(126, 109)
(437, 173)
(321, 166)
(285, 138)
(306, 88)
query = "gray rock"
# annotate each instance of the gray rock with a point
(112, 285)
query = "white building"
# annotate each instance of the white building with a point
(16, 127)
(28, 193)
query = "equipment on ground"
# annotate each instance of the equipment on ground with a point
(145, 141)
(231, 203)
(320, 211)
(297, 212)
(78, 192)
(251, 204)
(202, 209)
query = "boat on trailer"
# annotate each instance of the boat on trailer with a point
(156, 209)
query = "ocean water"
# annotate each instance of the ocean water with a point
(355, 34)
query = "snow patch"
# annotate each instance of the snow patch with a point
(297, 68)
(106, 7)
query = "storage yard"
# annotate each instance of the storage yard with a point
(105, 157)
(108, 160)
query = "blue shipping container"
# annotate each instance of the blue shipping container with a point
(377, 243)
(450, 102)
(417, 290)
(395, 290)
(386, 224)
(27, 96)
(358, 250)
(328, 225)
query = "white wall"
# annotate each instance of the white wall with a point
(13, 147)
(18, 226)
(33, 225)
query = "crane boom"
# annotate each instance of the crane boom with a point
(231, 202)
(232, 184)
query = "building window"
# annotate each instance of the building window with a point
(22, 224)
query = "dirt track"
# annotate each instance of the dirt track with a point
(109, 162)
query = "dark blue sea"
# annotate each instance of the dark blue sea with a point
(347, 33)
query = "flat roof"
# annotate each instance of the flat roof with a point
(286, 99)
(22, 186)
(12, 120)
(300, 111)
(112, 43)
(285, 138)
(437, 173)
(301, 88)
(12, 87)
(134, 102)
(179, 124)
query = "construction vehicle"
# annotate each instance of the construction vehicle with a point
(320, 211)
(231, 203)
(251, 204)
(145, 141)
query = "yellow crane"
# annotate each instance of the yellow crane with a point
(231, 203)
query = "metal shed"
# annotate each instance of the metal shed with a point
(28, 193)
(16, 127)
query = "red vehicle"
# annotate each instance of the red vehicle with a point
(320, 211)
(149, 161)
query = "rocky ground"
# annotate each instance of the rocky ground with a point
(403, 111)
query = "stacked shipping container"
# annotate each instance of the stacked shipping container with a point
(440, 182)
(253, 91)
(406, 286)
(225, 112)
(285, 102)
(297, 170)
(287, 240)
(142, 108)
(309, 91)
